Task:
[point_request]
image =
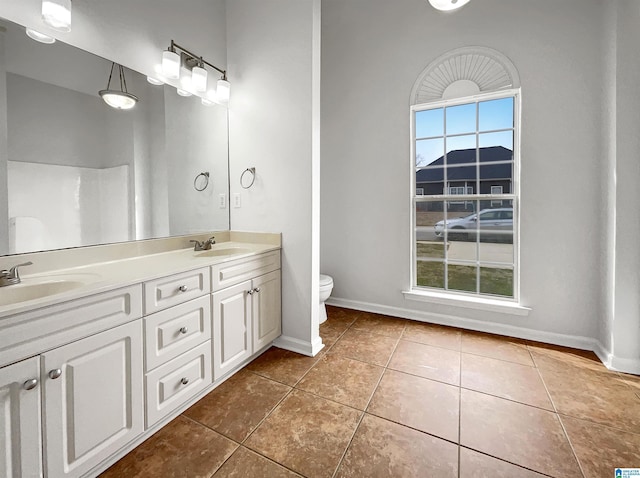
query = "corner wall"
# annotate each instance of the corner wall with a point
(274, 127)
(619, 333)
(373, 51)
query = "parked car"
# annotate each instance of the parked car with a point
(494, 224)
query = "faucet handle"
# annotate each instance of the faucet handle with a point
(212, 240)
(13, 272)
(197, 246)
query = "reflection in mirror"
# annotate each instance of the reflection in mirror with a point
(75, 172)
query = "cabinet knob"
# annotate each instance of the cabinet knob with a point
(184, 330)
(55, 373)
(183, 288)
(250, 292)
(184, 381)
(30, 384)
(257, 289)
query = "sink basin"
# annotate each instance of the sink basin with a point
(25, 291)
(228, 251)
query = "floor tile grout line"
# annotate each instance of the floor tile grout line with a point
(510, 400)
(573, 450)
(364, 412)
(591, 422)
(251, 450)
(266, 416)
(506, 461)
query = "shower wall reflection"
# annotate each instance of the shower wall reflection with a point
(75, 172)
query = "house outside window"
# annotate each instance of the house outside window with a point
(466, 162)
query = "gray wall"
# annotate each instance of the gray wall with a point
(372, 53)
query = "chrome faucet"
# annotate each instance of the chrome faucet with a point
(204, 245)
(11, 276)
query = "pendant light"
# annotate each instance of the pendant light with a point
(119, 99)
(448, 5)
(57, 14)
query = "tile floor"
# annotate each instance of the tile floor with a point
(391, 397)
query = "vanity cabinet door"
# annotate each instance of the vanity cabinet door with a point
(231, 328)
(267, 307)
(93, 401)
(20, 429)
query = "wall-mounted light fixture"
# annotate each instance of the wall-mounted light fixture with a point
(448, 5)
(57, 14)
(189, 68)
(119, 99)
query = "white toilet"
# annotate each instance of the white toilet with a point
(326, 285)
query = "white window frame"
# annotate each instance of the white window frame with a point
(474, 298)
(499, 202)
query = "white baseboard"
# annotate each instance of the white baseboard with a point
(577, 342)
(616, 363)
(300, 346)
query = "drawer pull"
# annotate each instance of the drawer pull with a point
(30, 384)
(184, 330)
(257, 289)
(184, 381)
(250, 292)
(183, 288)
(55, 373)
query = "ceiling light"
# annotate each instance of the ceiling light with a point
(57, 14)
(41, 37)
(119, 99)
(448, 5)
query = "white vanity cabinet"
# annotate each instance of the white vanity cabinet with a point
(20, 429)
(92, 400)
(246, 311)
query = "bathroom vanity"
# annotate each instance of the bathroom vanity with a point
(94, 359)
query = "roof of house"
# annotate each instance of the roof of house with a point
(468, 173)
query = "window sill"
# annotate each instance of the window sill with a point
(477, 303)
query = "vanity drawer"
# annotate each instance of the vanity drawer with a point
(173, 383)
(173, 331)
(31, 333)
(231, 273)
(176, 289)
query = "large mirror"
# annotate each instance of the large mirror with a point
(76, 172)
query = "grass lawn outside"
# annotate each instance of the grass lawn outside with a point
(494, 281)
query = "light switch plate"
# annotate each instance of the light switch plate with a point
(237, 200)
(222, 201)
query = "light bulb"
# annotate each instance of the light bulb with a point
(41, 37)
(154, 81)
(199, 79)
(182, 92)
(223, 91)
(170, 65)
(57, 14)
(448, 5)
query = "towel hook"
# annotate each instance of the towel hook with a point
(252, 171)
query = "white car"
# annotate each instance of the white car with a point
(493, 224)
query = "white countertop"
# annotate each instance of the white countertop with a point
(105, 276)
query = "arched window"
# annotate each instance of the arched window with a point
(465, 117)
